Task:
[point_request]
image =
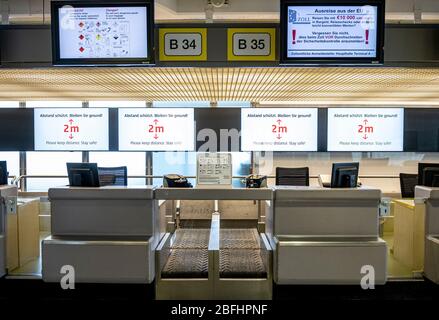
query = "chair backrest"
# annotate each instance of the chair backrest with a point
(116, 176)
(408, 183)
(292, 176)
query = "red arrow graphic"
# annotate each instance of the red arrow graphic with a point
(365, 121)
(71, 136)
(279, 121)
(365, 137)
(71, 121)
(156, 136)
(279, 136)
(156, 121)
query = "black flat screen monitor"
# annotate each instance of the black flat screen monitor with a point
(107, 32)
(3, 173)
(428, 174)
(332, 32)
(344, 175)
(83, 174)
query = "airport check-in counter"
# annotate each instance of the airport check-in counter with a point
(325, 236)
(226, 258)
(8, 207)
(107, 234)
(430, 196)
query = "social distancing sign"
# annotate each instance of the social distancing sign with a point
(251, 44)
(183, 44)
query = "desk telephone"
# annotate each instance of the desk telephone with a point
(176, 181)
(256, 181)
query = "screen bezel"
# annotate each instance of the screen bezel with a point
(58, 61)
(379, 59)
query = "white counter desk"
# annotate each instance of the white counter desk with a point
(107, 234)
(8, 210)
(430, 196)
(325, 236)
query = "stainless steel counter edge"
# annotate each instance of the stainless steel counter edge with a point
(102, 193)
(161, 193)
(213, 194)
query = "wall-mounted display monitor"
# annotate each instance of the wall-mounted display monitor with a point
(102, 32)
(335, 32)
(365, 129)
(71, 129)
(217, 129)
(16, 129)
(279, 129)
(156, 129)
(421, 130)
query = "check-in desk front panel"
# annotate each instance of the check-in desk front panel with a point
(5, 193)
(105, 211)
(328, 262)
(431, 259)
(326, 212)
(326, 236)
(107, 234)
(100, 260)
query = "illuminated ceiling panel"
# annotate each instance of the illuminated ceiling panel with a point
(399, 86)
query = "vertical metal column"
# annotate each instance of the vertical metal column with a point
(149, 169)
(253, 155)
(4, 11)
(85, 154)
(22, 160)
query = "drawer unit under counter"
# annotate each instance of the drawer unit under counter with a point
(100, 260)
(329, 261)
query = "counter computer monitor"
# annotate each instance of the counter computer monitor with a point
(83, 174)
(344, 175)
(428, 174)
(3, 173)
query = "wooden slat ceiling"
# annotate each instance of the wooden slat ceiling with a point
(380, 85)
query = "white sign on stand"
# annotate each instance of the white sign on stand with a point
(214, 169)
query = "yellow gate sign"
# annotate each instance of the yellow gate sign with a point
(251, 44)
(183, 44)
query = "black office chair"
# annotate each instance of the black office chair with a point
(408, 183)
(116, 176)
(292, 176)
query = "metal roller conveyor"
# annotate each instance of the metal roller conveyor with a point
(240, 254)
(188, 256)
(230, 259)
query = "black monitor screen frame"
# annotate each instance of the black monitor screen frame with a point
(92, 167)
(421, 167)
(378, 60)
(57, 60)
(347, 165)
(3, 173)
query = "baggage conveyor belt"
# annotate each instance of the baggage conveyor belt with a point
(239, 255)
